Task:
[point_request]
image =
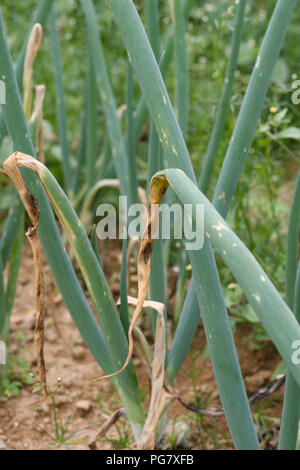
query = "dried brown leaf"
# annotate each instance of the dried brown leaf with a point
(157, 190)
(32, 206)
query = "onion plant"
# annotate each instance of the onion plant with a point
(106, 332)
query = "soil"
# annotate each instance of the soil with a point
(23, 426)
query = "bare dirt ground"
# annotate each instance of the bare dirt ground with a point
(90, 404)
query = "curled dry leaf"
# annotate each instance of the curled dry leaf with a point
(103, 183)
(159, 396)
(144, 350)
(32, 206)
(158, 188)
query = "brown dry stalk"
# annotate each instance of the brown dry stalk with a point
(33, 45)
(157, 190)
(106, 427)
(31, 205)
(40, 306)
(141, 345)
(37, 115)
(158, 393)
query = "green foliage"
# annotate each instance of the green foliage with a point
(201, 61)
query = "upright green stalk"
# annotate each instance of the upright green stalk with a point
(158, 272)
(60, 101)
(182, 109)
(124, 314)
(176, 154)
(95, 244)
(107, 169)
(152, 16)
(252, 105)
(180, 285)
(168, 46)
(10, 230)
(292, 245)
(291, 405)
(12, 277)
(154, 157)
(81, 149)
(131, 147)
(108, 100)
(2, 300)
(224, 103)
(181, 66)
(150, 80)
(91, 125)
(10, 250)
(184, 334)
(297, 295)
